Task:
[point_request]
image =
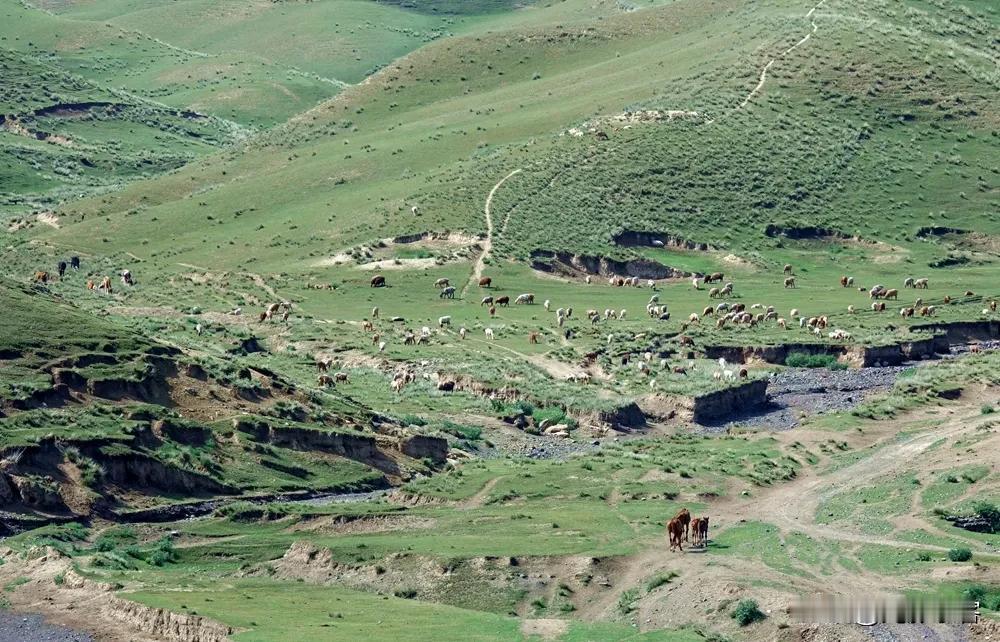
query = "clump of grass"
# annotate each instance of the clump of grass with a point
(805, 360)
(659, 580)
(470, 433)
(627, 601)
(747, 612)
(960, 554)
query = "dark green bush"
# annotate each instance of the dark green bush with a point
(747, 612)
(960, 554)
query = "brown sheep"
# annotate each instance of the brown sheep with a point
(714, 276)
(325, 380)
(708, 311)
(376, 338)
(906, 312)
(367, 325)
(503, 301)
(485, 282)
(891, 293)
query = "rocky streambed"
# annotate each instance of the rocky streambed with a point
(28, 627)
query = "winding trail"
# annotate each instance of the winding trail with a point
(477, 269)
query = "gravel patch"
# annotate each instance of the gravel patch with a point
(27, 627)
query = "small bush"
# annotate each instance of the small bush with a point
(804, 360)
(987, 409)
(923, 556)
(961, 554)
(659, 580)
(626, 603)
(989, 512)
(406, 593)
(747, 612)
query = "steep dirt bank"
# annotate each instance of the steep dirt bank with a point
(551, 261)
(86, 605)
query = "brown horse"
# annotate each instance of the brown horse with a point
(675, 529)
(684, 515)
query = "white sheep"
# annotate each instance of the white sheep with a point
(375, 312)
(621, 314)
(648, 356)
(663, 363)
(462, 332)
(546, 305)
(198, 329)
(588, 279)
(652, 384)
(611, 338)
(803, 321)
(489, 334)
(695, 284)
(381, 346)
(443, 321)
(794, 313)
(722, 362)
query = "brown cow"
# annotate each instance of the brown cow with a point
(378, 281)
(503, 301)
(485, 282)
(684, 515)
(532, 337)
(675, 529)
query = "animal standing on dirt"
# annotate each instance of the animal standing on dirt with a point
(378, 281)
(675, 530)
(485, 282)
(703, 532)
(684, 516)
(695, 529)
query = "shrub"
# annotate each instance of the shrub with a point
(659, 580)
(989, 512)
(923, 556)
(961, 554)
(747, 612)
(804, 360)
(626, 603)
(987, 409)
(405, 593)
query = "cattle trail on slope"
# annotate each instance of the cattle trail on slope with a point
(477, 269)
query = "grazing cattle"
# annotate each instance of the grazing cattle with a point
(41, 277)
(378, 281)
(492, 310)
(443, 321)
(462, 332)
(908, 282)
(367, 325)
(684, 516)
(675, 530)
(890, 294)
(744, 374)
(790, 282)
(920, 284)
(61, 268)
(74, 262)
(485, 282)
(533, 337)
(375, 312)
(487, 300)
(126, 277)
(713, 277)
(447, 293)
(787, 269)
(503, 301)
(524, 299)
(489, 334)
(325, 380)
(441, 283)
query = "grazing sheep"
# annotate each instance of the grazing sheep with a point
(708, 311)
(503, 301)
(878, 306)
(790, 282)
(325, 380)
(906, 312)
(375, 312)
(447, 293)
(794, 313)
(927, 311)
(198, 329)
(782, 323)
(850, 309)
(947, 299)
(695, 284)
(970, 293)
(532, 338)
(908, 282)
(720, 323)
(441, 283)
(919, 302)
(607, 313)
(714, 293)
(744, 374)
(693, 317)
(414, 210)
(651, 283)
(560, 320)
(890, 294)
(524, 299)
(489, 334)
(648, 356)
(377, 281)
(381, 347)
(588, 279)
(485, 282)
(850, 281)
(727, 290)
(284, 315)
(409, 338)
(717, 375)
(920, 284)
(376, 338)
(611, 338)
(723, 364)
(993, 306)
(425, 332)
(487, 300)
(462, 332)
(729, 375)
(802, 322)
(341, 377)
(569, 312)
(492, 310)
(621, 314)
(653, 299)
(652, 384)
(367, 325)
(843, 281)
(663, 363)
(787, 269)
(443, 321)
(546, 305)
(876, 291)
(714, 277)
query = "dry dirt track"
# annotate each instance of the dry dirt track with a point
(477, 269)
